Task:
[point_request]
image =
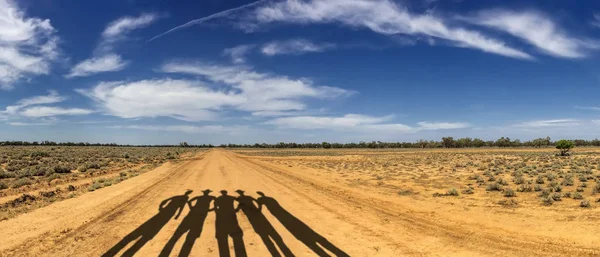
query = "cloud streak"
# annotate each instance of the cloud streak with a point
(294, 47)
(208, 18)
(94, 65)
(536, 29)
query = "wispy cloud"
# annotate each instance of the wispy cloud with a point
(209, 129)
(28, 45)
(94, 65)
(548, 123)
(359, 123)
(442, 125)
(104, 59)
(596, 21)
(17, 123)
(294, 47)
(238, 53)
(48, 111)
(536, 29)
(591, 108)
(52, 97)
(381, 16)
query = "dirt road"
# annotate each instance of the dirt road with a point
(302, 215)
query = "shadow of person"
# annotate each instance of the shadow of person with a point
(301, 231)
(262, 226)
(226, 225)
(192, 224)
(145, 232)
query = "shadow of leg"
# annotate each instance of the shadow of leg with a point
(270, 246)
(166, 251)
(315, 248)
(136, 247)
(282, 246)
(190, 239)
(238, 246)
(332, 248)
(120, 245)
(223, 247)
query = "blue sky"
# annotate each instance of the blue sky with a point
(160, 72)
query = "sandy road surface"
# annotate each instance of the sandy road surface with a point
(302, 215)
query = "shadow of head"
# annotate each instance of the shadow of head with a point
(188, 192)
(240, 192)
(223, 192)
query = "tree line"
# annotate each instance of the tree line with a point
(445, 142)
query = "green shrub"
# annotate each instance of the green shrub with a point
(3, 186)
(577, 196)
(21, 182)
(452, 192)
(557, 197)
(539, 180)
(494, 187)
(547, 201)
(564, 147)
(584, 204)
(509, 193)
(468, 191)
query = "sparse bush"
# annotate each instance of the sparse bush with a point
(539, 180)
(452, 192)
(525, 188)
(21, 182)
(509, 193)
(468, 191)
(547, 201)
(584, 204)
(537, 188)
(3, 186)
(557, 197)
(494, 187)
(580, 189)
(62, 169)
(577, 196)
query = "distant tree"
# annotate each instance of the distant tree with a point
(448, 142)
(326, 145)
(183, 144)
(564, 146)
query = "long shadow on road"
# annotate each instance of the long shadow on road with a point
(192, 224)
(145, 232)
(299, 229)
(262, 226)
(226, 226)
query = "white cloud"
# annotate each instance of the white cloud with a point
(126, 24)
(536, 29)
(179, 99)
(104, 59)
(442, 125)
(238, 53)
(263, 92)
(232, 88)
(52, 97)
(381, 16)
(18, 123)
(27, 45)
(359, 123)
(209, 129)
(548, 123)
(346, 122)
(48, 111)
(294, 47)
(110, 62)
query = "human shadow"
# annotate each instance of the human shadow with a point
(226, 225)
(192, 224)
(298, 229)
(262, 226)
(167, 209)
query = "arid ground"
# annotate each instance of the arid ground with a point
(484, 202)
